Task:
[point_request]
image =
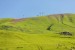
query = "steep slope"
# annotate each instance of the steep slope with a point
(59, 22)
(51, 32)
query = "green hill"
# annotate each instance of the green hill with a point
(51, 32)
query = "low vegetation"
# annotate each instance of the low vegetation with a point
(52, 32)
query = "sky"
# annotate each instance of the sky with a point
(32, 8)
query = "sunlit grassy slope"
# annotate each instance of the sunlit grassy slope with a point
(33, 34)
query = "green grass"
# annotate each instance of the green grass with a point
(32, 33)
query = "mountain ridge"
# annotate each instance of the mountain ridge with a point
(51, 32)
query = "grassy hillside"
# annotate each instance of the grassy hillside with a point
(51, 32)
